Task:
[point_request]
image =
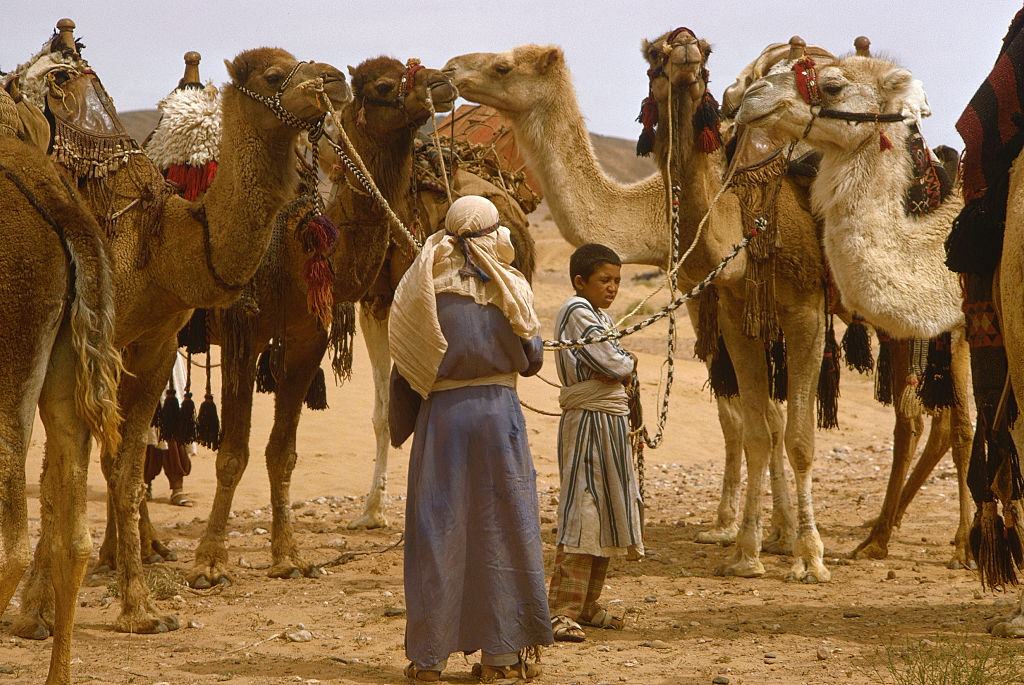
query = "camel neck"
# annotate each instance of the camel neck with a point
(255, 177)
(388, 155)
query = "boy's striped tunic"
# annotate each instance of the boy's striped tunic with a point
(599, 506)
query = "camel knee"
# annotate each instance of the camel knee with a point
(230, 469)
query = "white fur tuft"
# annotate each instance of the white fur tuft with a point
(189, 128)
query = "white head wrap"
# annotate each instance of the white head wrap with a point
(472, 257)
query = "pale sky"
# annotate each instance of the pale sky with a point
(136, 47)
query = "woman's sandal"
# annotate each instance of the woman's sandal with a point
(519, 671)
(602, 618)
(180, 499)
(567, 630)
(414, 672)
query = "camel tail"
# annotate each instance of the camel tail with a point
(99, 364)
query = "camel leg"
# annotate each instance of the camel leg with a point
(153, 550)
(752, 374)
(935, 448)
(803, 326)
(211, 564)
(62, 500)
(17, 414)
(375, 334)
(906, 434)
(303, 351)
(782, 533)
(149, 364)
(726, 525)
(106, 560)
(963, 437)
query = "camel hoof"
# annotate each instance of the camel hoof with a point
(31, 627)
(369, 521)
(869, 549)
(153, 558)
(147, 624)
(960, 564)
(779, 543)
(716, 536)
(1012, 628)
(747, 568)
(816, 573)
(164, 551)
(207, 578)
(200, 583)
(291, 571)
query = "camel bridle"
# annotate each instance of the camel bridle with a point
(280, 111)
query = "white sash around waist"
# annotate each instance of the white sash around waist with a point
(507, 380)
(594, 395)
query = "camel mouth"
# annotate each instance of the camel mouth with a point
(754, 115)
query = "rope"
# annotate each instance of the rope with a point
(440, 153)
(539, 411)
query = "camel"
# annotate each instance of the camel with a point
(57, 318)
(391, 102)
(887, 266)
(532, 88)
(169, 256)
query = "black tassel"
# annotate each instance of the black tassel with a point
(341, 340)
(208, 423)
(828, 381)
(723, 375)
(316, 394)
(857, 347)
(186, 432)
(194, 335)
(883, 372)
(707, 324)
(169, 413)
(645, 143)
(778, 370)
(266, 368)
(936, 388)
(706, 119)
(155, 422)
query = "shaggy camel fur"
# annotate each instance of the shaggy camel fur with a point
(381, 122)
(57, 318)
(887, 266)
(201, 256)
(532, 88)
(682, 59)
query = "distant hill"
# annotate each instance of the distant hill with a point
(616, 155)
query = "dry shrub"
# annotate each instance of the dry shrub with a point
(950, 660)
(163, 582)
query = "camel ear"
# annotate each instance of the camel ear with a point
(898, 80)
(351, 70)
(645, 46)
(231, 69)
(550, 58)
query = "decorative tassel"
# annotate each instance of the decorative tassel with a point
(857, 347)
(705, 124)
(883, 372)
(191, 181)
(648, 117)
(807, 80)
(910, 404)
(722, 374)
(319, 236)
(194, 336)
(936, 388)
(707, 325)
(186, 429)
(316, 394)
(778, 370)
(884, 143)
(208, 423)
(267, 367)
(828, 381)
(169, 413)
(342, 339)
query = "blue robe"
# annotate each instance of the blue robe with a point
(474, 567)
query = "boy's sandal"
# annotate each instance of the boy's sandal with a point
(414, 672)
(567, 630)
(519, 671)
(602, 618)
(180, 499)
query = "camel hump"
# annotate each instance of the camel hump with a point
(797, 47)
(191, 76)
(66, 34)
(862, 44)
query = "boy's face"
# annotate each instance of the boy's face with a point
(602, 286)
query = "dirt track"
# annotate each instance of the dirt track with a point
(684, 624)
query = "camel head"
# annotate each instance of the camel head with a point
(677, 59)
(852, 88)
(390, 95)
(512, 82)
(305, 90)
(775, 57)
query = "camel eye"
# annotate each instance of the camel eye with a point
(503, 68)
(274, 77)
(832, 88)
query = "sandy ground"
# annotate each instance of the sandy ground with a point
(685, 625)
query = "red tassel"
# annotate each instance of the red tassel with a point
(705, 124)
(807, 80)
(649, 118)
(883, 141)
(192, 181)
(319, 235)
(319, 278)
(709, 140)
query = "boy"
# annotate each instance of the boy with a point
(599, 505)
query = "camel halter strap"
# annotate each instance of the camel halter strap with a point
(807, 85)
(279, 110)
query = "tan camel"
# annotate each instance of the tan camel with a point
(57, 318)
(679, 75)
(887, 266)
(200, 254)
(532, 88)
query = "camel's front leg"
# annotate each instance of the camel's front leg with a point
(752, 374)
(905, 437)
(803, 326)
(375, 334)
(963, 436)
(726, 525)
(149, 365)
(238, 377)
(782, 532)
(304, 348)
